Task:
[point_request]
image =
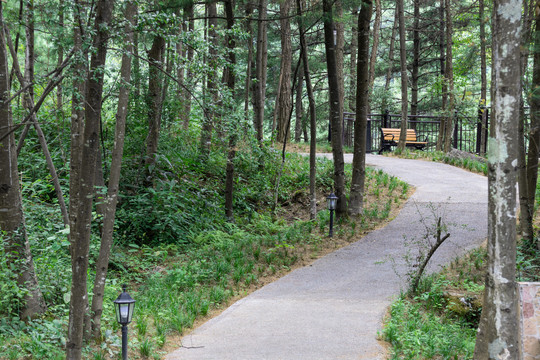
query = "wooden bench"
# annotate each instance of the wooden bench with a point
(390, 137)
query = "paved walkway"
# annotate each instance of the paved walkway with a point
(334, 308)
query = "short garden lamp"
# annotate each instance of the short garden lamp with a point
(332, 204)
(124, 306)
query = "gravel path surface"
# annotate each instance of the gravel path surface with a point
(334, 308)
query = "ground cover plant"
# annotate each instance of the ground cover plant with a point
(439, 320)
(180, 257)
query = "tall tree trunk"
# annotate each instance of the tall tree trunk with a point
(497, 336)
(444, 85)
(233, 131)
(404, 76)
(449, 72)
(80, 233)
(352, 65)
(416, 58)
(340, 53)
(11, 212)
(335, 115)
(211, 82)
(248, 84)
(525, 209)
(110, 201)
(389, 74)
(261, 71)
(284, 102)
(312, 116)
(483, 76)
(299, 109)
(356, 202)
(156, 59)
(375, 46)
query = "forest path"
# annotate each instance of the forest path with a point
(334, 308)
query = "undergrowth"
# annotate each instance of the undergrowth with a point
(440, 319)
(175, 249)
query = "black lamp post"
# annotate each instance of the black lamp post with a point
(332, 203)
(124, 306)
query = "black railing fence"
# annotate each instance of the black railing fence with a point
(467, 134)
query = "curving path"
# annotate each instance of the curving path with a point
(334, 308)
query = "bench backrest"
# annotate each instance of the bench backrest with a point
(393, 134)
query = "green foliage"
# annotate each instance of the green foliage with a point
(419, 334)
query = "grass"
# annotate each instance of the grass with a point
(181, 260)
(440, 320)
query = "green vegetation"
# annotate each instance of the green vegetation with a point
(440, 320)
(175, 249)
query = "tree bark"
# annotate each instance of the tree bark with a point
(404, 76)
(444, 85)
(11, 212)
(299, 108)
(340, 50)
(449, 73)
(497, 335)
(156, 57)
(188, 16)
(416, 58)
(248, 84)
(261, 71)
(352, 65)
(483, 76)
(375, 46)
(356, 199)
(110, 201)
(524, 189)
(233, 129)
(312, 116)
(211, 82)
(284, 102)
(335, 115)
(389, 74)
(80, 232)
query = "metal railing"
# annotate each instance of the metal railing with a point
(466, 135)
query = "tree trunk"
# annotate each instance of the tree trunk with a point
(110, 201)
(389, 74)
(498, 337)
(444, 87)
(335, 115)
(312, 116)
(156, 57)
(404, 76)
(230, 82)
(299, 109)
(249, 31)
(449, 72)
(261, 71)
(356, 202)
(526, 211)
(11, 212)
(416, 58)
(483, 76)
(211, 82)
(375, 47)
(284, 102)
(187, 26)
(80, 233)
(340, 50)
(352, 65)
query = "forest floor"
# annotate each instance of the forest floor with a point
(333, 307)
